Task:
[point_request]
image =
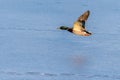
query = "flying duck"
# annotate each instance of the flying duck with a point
(79, 25)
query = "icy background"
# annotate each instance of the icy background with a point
(31, 47)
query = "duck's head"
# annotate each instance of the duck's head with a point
(63, 28)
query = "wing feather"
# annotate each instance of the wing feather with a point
(80, 23)
(84, 16)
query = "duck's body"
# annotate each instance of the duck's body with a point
(79, 26)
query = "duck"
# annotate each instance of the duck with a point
(79, 25)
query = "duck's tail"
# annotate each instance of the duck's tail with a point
(63, 28)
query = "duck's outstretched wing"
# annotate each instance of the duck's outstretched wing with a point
(84, 16)
(80, 23)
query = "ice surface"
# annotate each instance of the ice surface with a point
(31, 47)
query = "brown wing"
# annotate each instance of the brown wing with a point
(84, 16)
(80, 23)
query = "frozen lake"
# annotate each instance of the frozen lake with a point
(31, 47)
